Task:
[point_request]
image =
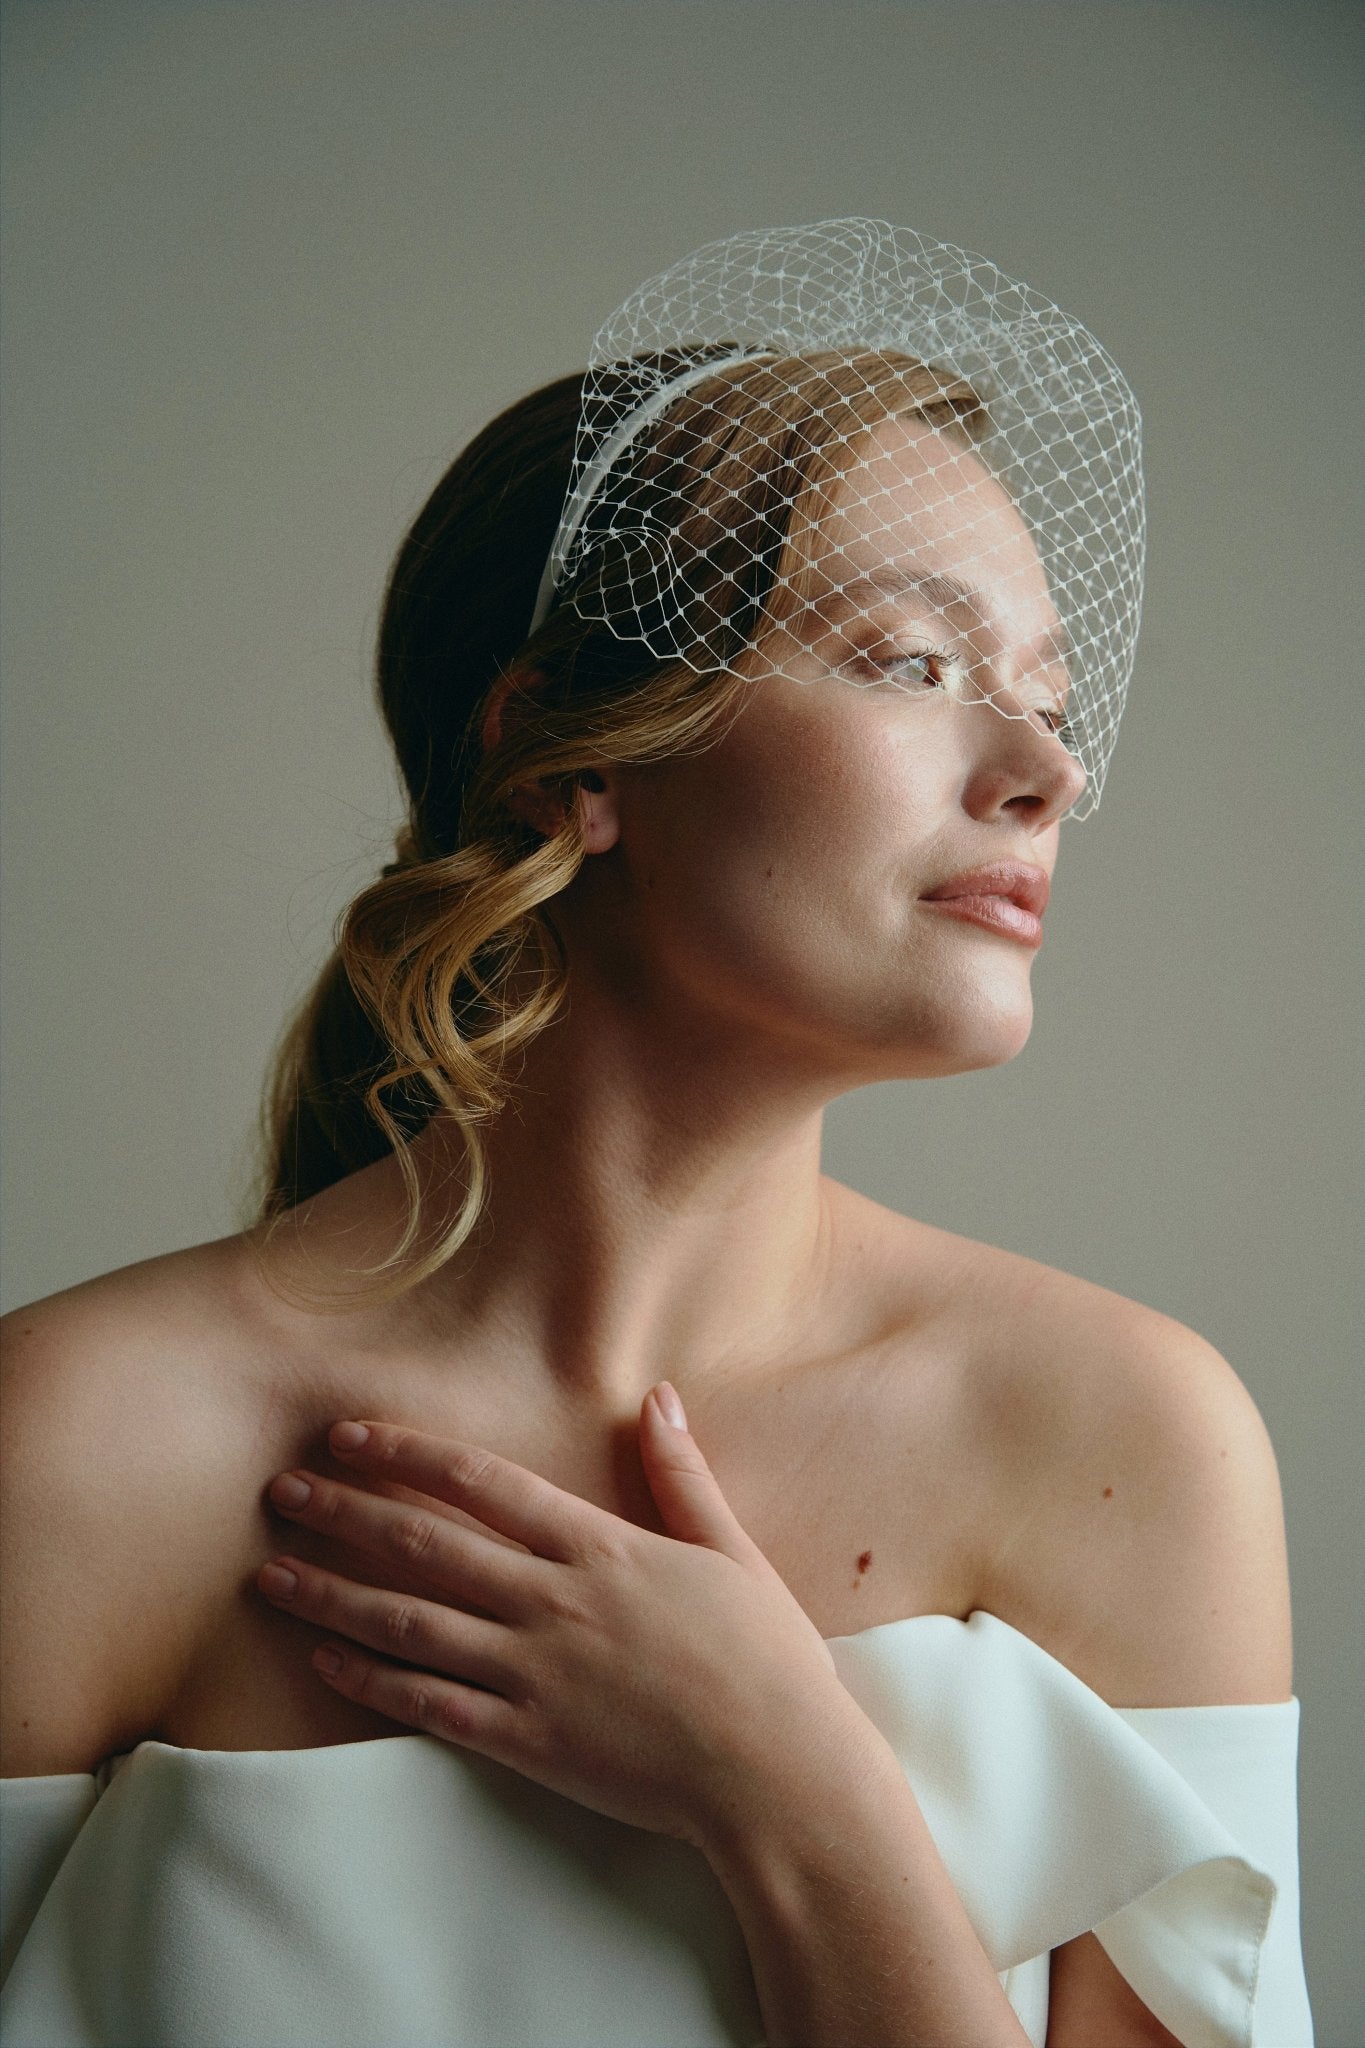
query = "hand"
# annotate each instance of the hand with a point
(659, 1679)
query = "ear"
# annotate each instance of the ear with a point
(545, 809)
(491, 731)
(540, 807)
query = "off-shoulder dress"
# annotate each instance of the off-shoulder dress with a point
(404, 1893)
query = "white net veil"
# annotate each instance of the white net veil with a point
(849, 449)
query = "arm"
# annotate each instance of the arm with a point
(92, 1618)
(856, 1935)
(1089, 2000)
(1145, 1549)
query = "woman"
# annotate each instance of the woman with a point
(748, 1610)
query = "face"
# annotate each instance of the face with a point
(780, 881)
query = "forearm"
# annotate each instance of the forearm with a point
(856, 1934)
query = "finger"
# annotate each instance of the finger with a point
(422, 1632)
(419, 1699)
(454, 1558)
(504, 1496)
(686, 1490)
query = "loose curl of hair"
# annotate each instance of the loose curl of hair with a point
(449, 965)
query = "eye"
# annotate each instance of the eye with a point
(913, 669)
(1053, 720)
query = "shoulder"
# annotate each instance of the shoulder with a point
(108, 1426)
(1139, 1528)
(1122, 1485)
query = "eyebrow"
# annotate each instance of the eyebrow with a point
(943, 591)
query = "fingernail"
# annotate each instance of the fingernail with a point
(672, 1407)
(278, 1581)
(349, 1436)
(327, 1661)
(289, 1491)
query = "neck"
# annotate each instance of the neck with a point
(655, 1209)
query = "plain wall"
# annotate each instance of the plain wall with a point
(270, 265)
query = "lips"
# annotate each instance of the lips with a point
(1007, 898)
(1018, 882)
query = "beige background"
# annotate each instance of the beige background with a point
(270, 265)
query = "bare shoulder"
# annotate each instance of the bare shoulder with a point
(107, 1430)
(1140, 1533)
(1123, 1480)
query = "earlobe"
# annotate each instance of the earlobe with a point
(598, 814)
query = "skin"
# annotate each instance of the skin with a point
(618, 1608)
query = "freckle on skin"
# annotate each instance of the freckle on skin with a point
(864, 1561)
(1109, 1493)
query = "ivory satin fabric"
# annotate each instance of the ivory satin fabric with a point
(403, 1893)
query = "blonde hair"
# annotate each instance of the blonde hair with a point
(448, 966)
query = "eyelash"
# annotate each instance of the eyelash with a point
(1063, 729)
(902, 659)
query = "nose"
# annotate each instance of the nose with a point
(1014, 767)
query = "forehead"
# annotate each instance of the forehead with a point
(912, 513)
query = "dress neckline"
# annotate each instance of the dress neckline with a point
(884, 1631)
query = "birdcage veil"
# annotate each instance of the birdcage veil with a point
(776, 313)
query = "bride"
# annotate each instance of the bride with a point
(659, 1416)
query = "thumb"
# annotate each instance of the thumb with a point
(688, 1497)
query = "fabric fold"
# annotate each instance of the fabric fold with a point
(1154, 1844)
(40, 1819)
(1244, 1761)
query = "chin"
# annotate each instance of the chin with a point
(963, 1041)
(1006, 1045)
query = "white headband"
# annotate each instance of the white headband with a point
(590, 482)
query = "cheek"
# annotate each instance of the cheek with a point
(844, 797)
(783, 855)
